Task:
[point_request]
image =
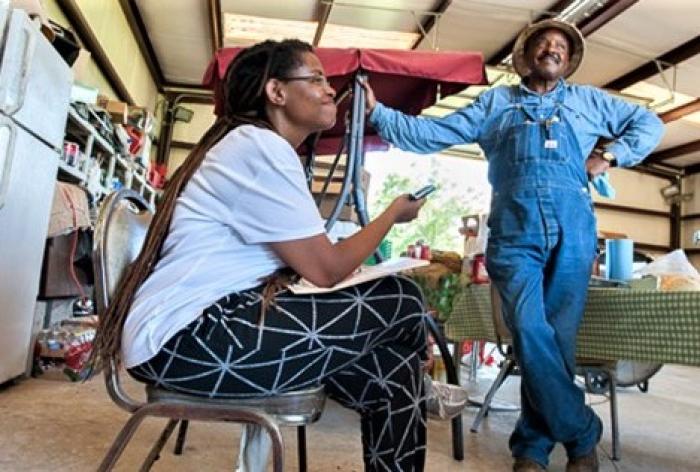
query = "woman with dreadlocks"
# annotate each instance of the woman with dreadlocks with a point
(205, 310)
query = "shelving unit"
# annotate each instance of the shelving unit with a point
(100, 169)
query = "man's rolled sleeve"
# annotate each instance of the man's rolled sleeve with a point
(636, 130)
(427, 135)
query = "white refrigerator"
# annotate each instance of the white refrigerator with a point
(35, 87)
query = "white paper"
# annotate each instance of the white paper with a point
(364, 274)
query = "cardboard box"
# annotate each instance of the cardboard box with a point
(119, 111)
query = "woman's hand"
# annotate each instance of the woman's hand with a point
(325, 264)
(405, 209)
(370, 99)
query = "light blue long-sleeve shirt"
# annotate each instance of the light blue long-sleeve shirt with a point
(593, 113)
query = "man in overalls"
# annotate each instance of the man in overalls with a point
(539, 140)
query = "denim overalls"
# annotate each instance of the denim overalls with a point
(540, 252)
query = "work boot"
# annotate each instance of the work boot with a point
(525, 464)
(585, 463)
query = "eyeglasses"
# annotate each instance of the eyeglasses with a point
(315, 79)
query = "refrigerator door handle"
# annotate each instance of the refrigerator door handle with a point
(7, 144)
(14, 79)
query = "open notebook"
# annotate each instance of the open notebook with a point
(363, 274)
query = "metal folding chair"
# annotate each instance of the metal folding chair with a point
(509, 365)
(119, 236)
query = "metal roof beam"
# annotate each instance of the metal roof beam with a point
(140, 32)
(673, 57)
(72, 12)
(431, 22)
(324, 12)
(215, 23)
(681, 111)
(692, 170)
(603, 15)
(676, 151)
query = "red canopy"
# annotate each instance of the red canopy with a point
(405, 80)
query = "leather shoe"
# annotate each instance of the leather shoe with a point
(585, 463)
(525, 464)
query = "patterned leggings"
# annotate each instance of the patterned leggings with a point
(363, 343)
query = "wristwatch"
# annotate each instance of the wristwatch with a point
(608, 156)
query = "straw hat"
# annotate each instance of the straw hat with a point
(575, 56)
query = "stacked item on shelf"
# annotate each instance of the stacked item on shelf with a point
(98, 153)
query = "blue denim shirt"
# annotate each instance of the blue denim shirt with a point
(592, 113)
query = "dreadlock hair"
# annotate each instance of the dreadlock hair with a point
(244, 103)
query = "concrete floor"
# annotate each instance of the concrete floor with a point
(60, 426)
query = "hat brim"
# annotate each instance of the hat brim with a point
(520, 63)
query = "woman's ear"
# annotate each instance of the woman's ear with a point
(275, 92)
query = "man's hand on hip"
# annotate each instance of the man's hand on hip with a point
(596, 164)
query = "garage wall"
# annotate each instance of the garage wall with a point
(690, 211)
(185, 135)
(201, 121)
(638, 210)
(111, 29)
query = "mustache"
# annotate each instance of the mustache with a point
(555, 56)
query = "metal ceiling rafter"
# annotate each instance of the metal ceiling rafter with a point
(140, 32)
(681, 111)
(603, 15)
(692, 170)
(324, 12)
(676, 151)
(216, 25)
(671, 58)
(186, 96)
(432, 22)
(72, 12)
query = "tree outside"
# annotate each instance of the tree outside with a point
(440, 218)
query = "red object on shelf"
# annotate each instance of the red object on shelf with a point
(156, 175)
(403, 80)
(479, 274)
(136, 139)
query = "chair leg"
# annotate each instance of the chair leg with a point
(277, 447)
(506, 369)
(120, 442)
(181, 435)
(457, 433)
(457, 360)
(158, 446)
(301, 447)
(614, 424)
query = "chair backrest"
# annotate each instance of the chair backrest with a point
(120, 232)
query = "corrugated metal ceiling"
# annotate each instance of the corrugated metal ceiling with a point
(629, 34)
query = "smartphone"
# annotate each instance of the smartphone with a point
(422, 192)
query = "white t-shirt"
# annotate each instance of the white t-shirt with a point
(249, 191)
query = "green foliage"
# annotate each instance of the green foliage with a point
(440, 297)
(439, 219)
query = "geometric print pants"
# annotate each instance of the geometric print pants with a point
(363, 343)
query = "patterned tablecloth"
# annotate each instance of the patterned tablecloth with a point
(640, 325)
